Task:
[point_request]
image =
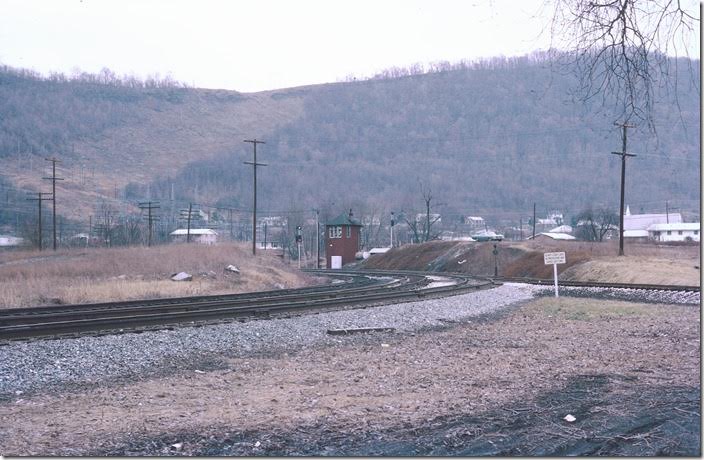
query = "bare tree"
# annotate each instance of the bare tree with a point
(421, 224)
(620, 48)
(594, 224)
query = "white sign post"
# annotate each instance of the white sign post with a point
(554, 258)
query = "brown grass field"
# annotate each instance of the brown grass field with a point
(29, 278)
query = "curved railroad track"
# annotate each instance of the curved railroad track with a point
(352, 289)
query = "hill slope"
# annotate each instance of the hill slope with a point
(491, 138)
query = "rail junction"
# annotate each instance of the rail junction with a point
(348, 289)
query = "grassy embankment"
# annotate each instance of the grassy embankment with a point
(643, 263)
(30, 278)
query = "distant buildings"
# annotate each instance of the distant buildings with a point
(198, 235)
(674, 232)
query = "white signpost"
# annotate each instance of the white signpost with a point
(554, 258)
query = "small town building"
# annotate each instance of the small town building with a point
(636, 236)
(11, 241)
(644, 221)
(562, 229)
(675, 232)
(342, 240)
(552, 236)
(198, 235)
(474, 222)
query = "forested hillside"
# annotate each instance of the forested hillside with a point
(489, 138)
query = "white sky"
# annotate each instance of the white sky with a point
(263, 44)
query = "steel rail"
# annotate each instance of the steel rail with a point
(115, 310)
(596, 284)
(412, 286)
(349, 282)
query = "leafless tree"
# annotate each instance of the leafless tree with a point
(621, 48)
(421, 224)
(594, 224)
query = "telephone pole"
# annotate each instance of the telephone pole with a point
(254, 208)
(53, 180)
(39, 199)
(149, 205)
(188, 225)
(520, 225)
(317, 238)
(623, 154)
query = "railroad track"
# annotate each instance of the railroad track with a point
(591, 284)
(353, 290)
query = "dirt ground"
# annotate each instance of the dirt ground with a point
(503, 384)
(586, 261)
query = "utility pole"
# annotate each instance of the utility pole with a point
(188, 225)
(254, 208)
(149, 205)
(317, 238)
(623, 154)
(533, 220)
(392, 229)
(521, 227)
(53, 180)
(39, 199)
(667, 211)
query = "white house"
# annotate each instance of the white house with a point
(474, 221)
(7, 240)
(675, 231)
(562, 229)
(553, 236)
(198, 235)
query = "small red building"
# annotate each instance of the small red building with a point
(342, 239)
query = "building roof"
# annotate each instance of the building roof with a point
(555, 236)
(562, 229)
(675, 226)
(344, 219)
(643, 221)
(194, 231)
(635, 234)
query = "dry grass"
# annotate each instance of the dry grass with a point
(99, 275)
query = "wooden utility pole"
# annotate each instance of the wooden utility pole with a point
(254, 207)
(623, 154)
(188, 225)
(533, 220)
(317, 238)
(520, 225)
(53, 180)
(39, 199)
(149, 205)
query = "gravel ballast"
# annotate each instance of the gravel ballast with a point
(27, 367)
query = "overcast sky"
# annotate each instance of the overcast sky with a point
(263, 44)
